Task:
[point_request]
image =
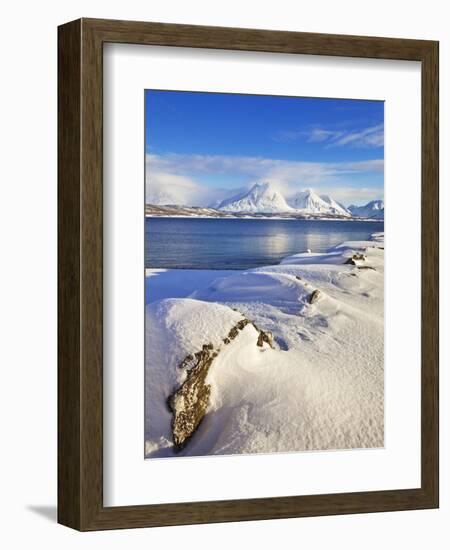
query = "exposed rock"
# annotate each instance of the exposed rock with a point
(314, 296)
(357, 257)
(265, 337)
(366, 267)
(188, 362)
(235, 330)
(190, 402)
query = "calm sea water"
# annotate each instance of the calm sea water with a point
(195, 243)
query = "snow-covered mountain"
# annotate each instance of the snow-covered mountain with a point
(336, 207)
(262, 198)
(373, 209)
(309, 202)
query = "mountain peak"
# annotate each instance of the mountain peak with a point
(263, 187)
(262, 197)
(373, 209)
(310, 202)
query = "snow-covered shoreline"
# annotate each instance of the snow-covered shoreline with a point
(321, 387)
(262, 217)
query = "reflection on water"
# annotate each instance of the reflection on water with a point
(241, 244)
(274, 244)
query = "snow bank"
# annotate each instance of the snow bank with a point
(323, 385)
(176, 328)
(167, 283)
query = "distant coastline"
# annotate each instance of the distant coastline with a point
(176, 211)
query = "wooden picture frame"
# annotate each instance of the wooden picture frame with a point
(80, 272)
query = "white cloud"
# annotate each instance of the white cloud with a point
(167, 188)
(255, 166)
(369, 137)
(373, 136)
(319, 134)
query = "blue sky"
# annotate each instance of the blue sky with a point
(201, 147)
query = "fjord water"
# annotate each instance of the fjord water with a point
(217, 243)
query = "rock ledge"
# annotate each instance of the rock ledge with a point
(190, 402)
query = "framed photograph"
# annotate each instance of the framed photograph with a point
(248, 274)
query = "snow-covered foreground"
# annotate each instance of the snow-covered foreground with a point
(319, 387)
(178, 283)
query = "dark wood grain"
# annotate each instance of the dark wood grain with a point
(80, 322)
(69, 246)
(430, 272)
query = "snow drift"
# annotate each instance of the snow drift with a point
(320, 387)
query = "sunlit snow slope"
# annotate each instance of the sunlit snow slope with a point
(322, 385)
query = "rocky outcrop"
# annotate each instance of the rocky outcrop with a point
(314, 296)
(264, 338)
(355, 258)
(190, 402)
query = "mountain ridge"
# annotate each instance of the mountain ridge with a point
(264, 199)
(373, 209)
(311, 203)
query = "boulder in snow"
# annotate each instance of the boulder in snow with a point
(190, 401)
(314, 296)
